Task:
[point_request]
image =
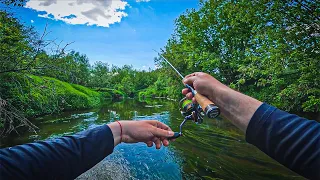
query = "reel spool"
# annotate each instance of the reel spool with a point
(189, 109)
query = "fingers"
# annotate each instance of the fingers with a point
(192, 74)
(189, 80)
(194, 101)
(189, 95)
(158, 143)
(185, 91)
(162, 126)
(165, 141)
(159, 124)
(161, 132)
(149, 143)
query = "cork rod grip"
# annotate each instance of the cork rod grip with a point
(203, 101)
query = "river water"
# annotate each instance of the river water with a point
(213, 150)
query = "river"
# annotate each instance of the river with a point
(213, 150)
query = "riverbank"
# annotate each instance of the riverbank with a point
(33, 96)
(38, 95)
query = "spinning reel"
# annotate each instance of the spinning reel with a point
(190, 111)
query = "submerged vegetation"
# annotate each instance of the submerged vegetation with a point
(266, 49)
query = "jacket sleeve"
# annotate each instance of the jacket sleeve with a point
(289, 139)
(62, 158)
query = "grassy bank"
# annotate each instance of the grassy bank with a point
(35, 95)
(24, 96)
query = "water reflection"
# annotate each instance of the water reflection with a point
(214, 149)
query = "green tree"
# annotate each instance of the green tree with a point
(268, 49)
(16, 52)
(101, 75)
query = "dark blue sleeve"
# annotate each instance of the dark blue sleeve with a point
(62, 158)
(289, 139)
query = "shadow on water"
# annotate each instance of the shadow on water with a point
(213, 150)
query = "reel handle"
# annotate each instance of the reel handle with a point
(211, 110)
(176, 135)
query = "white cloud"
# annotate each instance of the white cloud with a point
(89, 12)
(142, 1)
(32, 21)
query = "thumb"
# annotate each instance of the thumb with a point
(162, 133)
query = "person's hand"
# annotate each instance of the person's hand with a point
(147, 131)
(233, 105)
(202, 83)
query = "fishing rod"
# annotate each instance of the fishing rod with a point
(192, 111)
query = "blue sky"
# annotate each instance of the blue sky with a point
(125, 32)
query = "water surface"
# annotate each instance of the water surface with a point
(213, 150)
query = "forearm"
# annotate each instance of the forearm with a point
(291, 140)
(62, 158)
(234, 106)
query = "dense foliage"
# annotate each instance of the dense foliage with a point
(267, 49)
(125, 79)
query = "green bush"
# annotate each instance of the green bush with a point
(111, 93)
(151, 92)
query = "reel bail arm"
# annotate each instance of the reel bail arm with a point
(178, 134)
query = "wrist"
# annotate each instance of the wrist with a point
(116, 131)
(218, 90)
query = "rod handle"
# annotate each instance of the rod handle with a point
(203, 101)
(211, 110)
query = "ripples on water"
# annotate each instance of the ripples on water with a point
(212, 150)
